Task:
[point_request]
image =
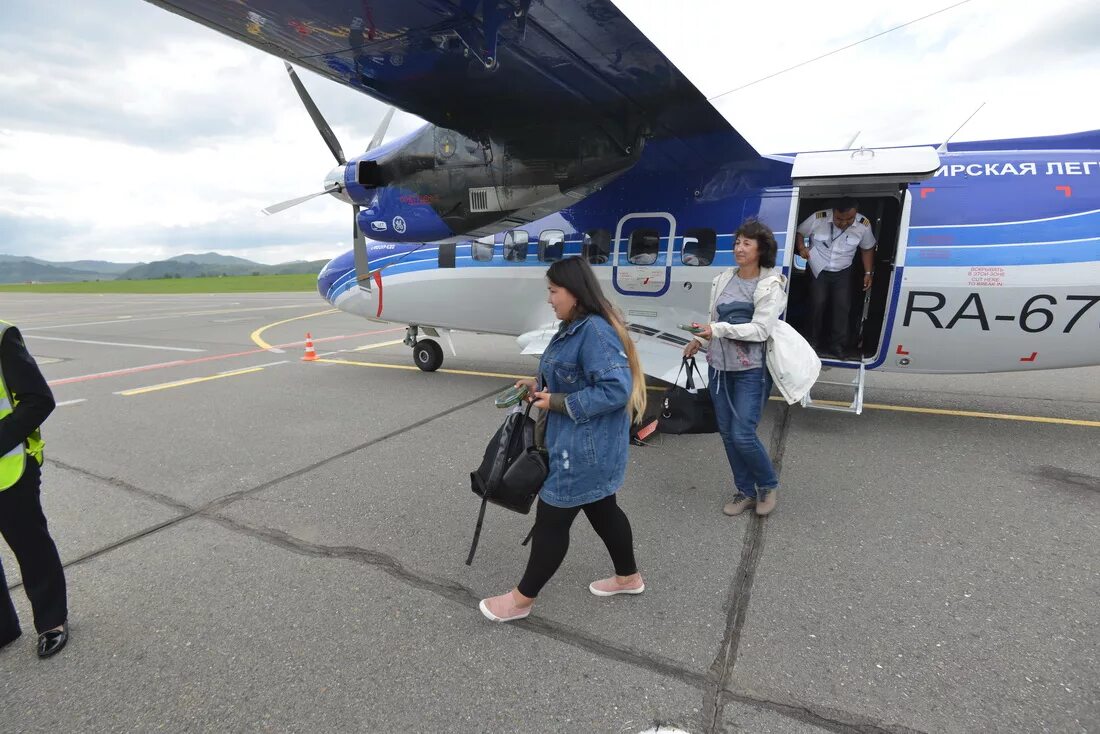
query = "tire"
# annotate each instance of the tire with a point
(428, 355)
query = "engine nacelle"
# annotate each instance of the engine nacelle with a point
(435, 183)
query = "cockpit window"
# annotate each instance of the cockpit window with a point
(481, 251)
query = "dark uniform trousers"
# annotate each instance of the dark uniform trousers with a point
(23, 525)
(831, 288)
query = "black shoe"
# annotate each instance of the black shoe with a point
(51, 641)
(8, 640)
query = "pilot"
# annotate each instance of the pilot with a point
(25, 401)
(834, 236)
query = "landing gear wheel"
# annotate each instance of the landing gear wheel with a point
(428, 355)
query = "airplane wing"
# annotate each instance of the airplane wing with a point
(480, 67)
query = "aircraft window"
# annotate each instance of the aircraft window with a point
(699, 247)
(597, 246)
(515, 245)
(551, 245)
(481, 251)
(645, 246)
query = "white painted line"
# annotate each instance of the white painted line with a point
(113, 344)
(176, 315)
(379, 344)
(72, 402)
(272, 364)
(276, 350)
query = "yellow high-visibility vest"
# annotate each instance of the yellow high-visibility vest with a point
(14, 462)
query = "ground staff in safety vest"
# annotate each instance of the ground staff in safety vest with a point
(25, 401)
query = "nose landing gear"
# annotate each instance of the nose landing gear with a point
(427, 354)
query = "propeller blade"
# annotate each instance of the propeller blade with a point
(318, 119)
(381, 131)
(362, 264)
(275, 208)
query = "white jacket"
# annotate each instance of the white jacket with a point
(792, 362)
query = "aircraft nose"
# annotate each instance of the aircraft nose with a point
(337, 276)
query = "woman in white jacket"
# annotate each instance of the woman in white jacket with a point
(745, 304)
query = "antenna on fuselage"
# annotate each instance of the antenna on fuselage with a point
(943, 145)
(853, 140)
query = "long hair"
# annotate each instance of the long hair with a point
(576, 276)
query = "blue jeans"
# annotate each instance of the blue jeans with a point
(739, 399)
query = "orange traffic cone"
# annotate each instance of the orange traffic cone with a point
(311, 353)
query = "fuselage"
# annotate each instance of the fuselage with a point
(993, 262)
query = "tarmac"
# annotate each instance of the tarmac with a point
(254, 543)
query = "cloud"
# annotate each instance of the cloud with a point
(130, 133)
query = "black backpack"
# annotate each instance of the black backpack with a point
(511, 472)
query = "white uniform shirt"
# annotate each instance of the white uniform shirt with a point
(832, 248)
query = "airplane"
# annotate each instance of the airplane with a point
(557, 129)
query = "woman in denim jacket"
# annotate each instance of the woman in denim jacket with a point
(745, 304)
(594, 387)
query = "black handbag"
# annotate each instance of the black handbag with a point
(512, 471)
(687, 409)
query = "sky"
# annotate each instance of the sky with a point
(130, 134)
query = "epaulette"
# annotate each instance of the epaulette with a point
(822, 214)
(864, 220)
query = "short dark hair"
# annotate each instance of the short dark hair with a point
(845, 203)
(754, 229)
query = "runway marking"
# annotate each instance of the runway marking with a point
(197, 360)
(113, 344)
(189, 381)
(178, 314)
(964, 413)
(869, 406)
(71, 402)
(258, 340)
(417, 369)
(472, 373)
(379, 344)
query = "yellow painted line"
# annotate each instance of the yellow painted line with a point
(965, 413)
(417, 369)
(866, 406)
(258, 340)
(379, 344)
(191, 381)
(452, 372)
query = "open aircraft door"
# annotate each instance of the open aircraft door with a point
(879, 179)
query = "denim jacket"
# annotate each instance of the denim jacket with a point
(587, 445)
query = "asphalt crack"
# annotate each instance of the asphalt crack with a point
(714, 683)
(187, 511)
(721, 670)
(1069, 478)
(464, 596)
(842, 722)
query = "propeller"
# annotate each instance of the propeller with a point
(275, 208)
(318, 119)
(362, 263)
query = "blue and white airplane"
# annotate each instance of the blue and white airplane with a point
(558, 129)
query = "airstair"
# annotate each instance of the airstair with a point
(855, 384)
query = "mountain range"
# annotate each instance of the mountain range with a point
(23, 269)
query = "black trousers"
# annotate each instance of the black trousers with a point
(831, 288)
(550, 540)
(23, 526)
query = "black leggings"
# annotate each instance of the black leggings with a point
(550, 540)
